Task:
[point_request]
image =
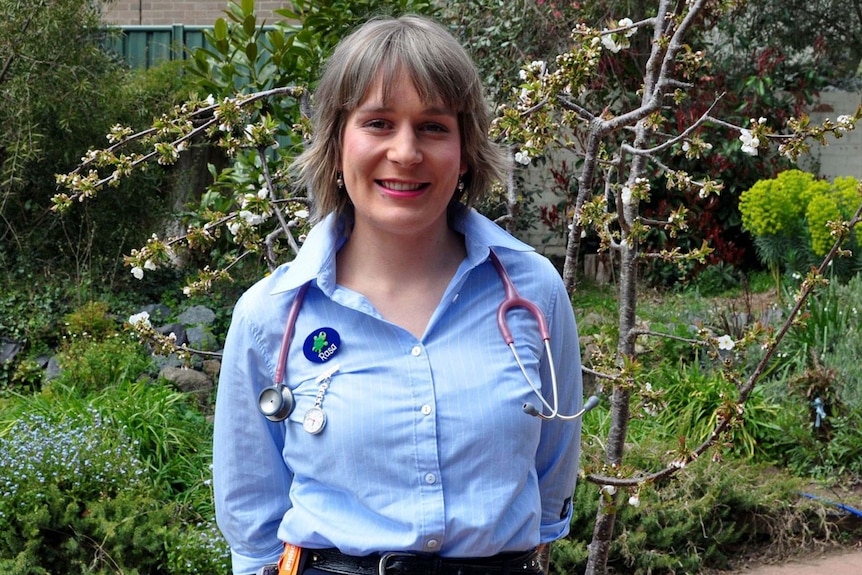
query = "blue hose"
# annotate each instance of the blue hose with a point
(840, 506)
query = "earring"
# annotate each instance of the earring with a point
(339, 181)
(461, 185)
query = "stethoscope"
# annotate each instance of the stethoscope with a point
(276, 402)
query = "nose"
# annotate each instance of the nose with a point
(405, 148)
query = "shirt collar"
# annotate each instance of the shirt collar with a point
(316, 259)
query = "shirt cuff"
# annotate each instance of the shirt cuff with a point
(243, 565)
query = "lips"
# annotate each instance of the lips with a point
(402, 188)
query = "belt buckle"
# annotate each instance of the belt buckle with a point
(382, 564)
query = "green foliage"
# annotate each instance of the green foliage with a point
(74, 498)
(700, 518)
(794, 204)
(90, 366)
(45, 130)
(790, 216)
(821, 361)
(91, 320)
(108, 480)
(692, 399)
(504, 34)
(809, 39)
(32, 307)
(716, 279)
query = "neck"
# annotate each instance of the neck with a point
(397, 261)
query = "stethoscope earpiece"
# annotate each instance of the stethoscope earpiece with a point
(530, 409)
(276, 402)
(591, 403)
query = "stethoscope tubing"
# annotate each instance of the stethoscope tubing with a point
(512, 299)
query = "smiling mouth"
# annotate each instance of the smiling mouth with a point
(402, 187)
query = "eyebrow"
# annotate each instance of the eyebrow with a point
(382, 108)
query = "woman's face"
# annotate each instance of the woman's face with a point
(401, 161)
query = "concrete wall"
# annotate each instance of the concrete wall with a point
(843, 156)
(188, 12)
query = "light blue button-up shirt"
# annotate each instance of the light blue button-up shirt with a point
(426, 446)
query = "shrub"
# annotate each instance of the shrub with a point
(700, 518)
(75, 499)
(789, 216)
(691, 398)
(91, 366)
(821, 362)
(104, 481)
(91, 320)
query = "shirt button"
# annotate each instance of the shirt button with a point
(430, 478)
(416, 351)
(432, 544)
(426, 410)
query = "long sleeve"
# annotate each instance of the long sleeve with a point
(251, 481)
(559, 449)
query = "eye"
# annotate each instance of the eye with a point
(376, 124)
(435, 128)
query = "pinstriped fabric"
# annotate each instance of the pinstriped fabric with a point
(426, 446)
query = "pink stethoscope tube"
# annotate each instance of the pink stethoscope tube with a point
(512, 299)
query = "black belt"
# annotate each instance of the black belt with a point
(333, 561)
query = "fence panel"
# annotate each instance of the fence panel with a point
(147, 46)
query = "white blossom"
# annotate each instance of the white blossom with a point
(142, 318)
(522, 158)
(634, 501)
(625, 23)
(138, 272)
(726, 342)
(750, 142)
(844, 123)
(149, 265)
(609, 43)
(627, 196)
(252, 218)
(609, 489)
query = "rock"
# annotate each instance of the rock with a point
(190, 381)
(197, 315)
(201, 338)
(9, 349)
(158, 312)
(211, 367)
(174, 328)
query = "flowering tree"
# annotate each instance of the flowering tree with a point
(623, 150)
(628, 146)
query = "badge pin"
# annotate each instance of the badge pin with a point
(321, 345)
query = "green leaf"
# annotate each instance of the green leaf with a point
(248, 6)
(249, 24)
(220, 29)
(251, 51)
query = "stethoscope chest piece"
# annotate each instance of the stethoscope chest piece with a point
(276, 402)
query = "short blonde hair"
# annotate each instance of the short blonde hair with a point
(441, 70)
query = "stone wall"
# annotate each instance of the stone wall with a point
(188, 12)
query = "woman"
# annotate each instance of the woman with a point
(408, 448)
